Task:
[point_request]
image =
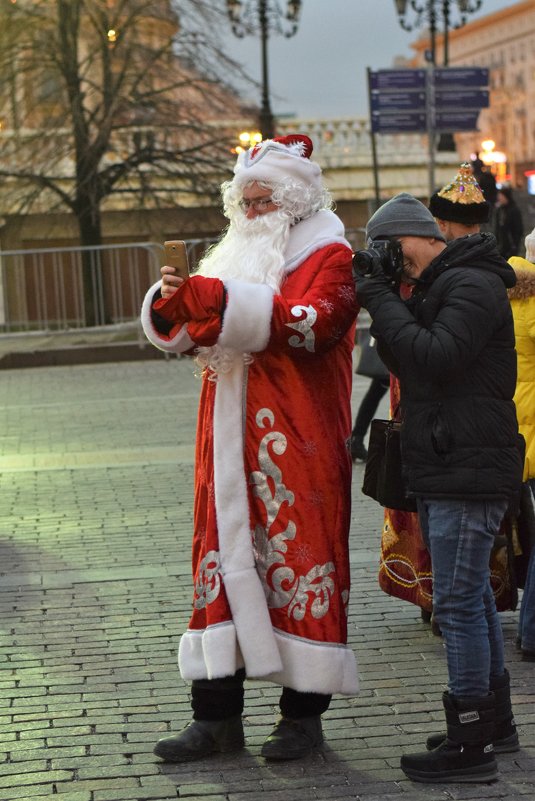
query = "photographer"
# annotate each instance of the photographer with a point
(452, 347)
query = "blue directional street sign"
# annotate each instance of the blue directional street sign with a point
(461, 98)
(456, 120)
(398, 100)
(461, 77)
(418, 100)
(397, 79)
(400, 122)
(460, 94)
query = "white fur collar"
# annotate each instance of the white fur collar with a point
(323, 228)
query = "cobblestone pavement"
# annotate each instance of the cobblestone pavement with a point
(96, 486)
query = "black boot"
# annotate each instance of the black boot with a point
(467, 753)
(357, 448)
(293, 739)
(505, 739)
(201, 738)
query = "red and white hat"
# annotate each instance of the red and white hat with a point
(274, 160)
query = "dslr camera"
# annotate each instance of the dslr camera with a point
(385, 252)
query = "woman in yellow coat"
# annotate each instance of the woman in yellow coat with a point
(522, 298)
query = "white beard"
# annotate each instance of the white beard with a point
(252, 251)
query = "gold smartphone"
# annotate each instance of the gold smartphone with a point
(176, 255)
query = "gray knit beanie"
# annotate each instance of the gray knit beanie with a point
(403, 215)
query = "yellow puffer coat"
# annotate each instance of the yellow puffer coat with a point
(522, 298)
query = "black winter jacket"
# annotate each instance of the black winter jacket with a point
(452, 345)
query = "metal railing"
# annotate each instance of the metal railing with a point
(60, 289)
(52, 292)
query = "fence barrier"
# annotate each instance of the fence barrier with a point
(52, 290)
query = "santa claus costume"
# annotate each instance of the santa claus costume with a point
(273, 469)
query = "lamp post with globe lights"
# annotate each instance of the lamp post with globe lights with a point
(433, 13)
(251, 17)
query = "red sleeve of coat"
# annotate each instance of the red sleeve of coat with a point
(312, 318)
(199, 302)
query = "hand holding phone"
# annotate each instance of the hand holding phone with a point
(176, 255)
(176, 268)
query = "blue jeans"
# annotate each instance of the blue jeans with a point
(526, 621)
(459, 535)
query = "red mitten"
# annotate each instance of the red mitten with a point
(198, 298)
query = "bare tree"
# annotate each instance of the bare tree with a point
(103, 98)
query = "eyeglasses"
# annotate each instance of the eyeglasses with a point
(258, 204)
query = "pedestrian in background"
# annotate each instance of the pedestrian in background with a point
(508, 225)
(487, 183)
(371, 366)
(270, 316)
(522, 297)
(452, 342)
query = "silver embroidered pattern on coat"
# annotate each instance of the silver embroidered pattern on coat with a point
(281, 585)
(326, 305)
(208, 582)
(304, 327)
(346, 293)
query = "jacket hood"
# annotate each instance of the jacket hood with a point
(478, 251)
(525, 279)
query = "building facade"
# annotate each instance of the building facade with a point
(504, 42)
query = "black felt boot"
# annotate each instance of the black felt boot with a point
(505, 739)
(202, 738)
(293, 739)
(467, 753)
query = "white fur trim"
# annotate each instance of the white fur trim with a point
(242, 584)
(313, 667)
(308, 666)
(316, 232)
(211, 653)
(274, 162)
(179, 343)
(251, 617)
(247, 318)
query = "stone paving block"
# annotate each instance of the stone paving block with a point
(141, 795)
(38, 792)
(35, 778)
(50, 754)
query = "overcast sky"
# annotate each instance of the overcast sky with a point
(321, 71)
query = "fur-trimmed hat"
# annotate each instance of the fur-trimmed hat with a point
(461, 201)
(274, 160)
(402, 215)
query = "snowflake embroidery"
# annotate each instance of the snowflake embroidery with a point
(310, 448)
(303, 553)
(316, 497)
(347, 293)
(326, 305)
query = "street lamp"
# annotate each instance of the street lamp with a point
(431, 11)
(264, 16)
